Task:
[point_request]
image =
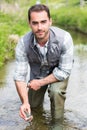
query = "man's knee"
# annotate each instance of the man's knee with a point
(58, 88)
(36, 97)
(57, 94)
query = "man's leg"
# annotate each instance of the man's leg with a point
(57, 94)
(36, 97)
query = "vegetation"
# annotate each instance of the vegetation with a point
(9, 26)
(13, 20)
(75, 19)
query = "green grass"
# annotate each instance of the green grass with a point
(9, 25)
(70, 18)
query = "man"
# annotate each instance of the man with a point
(49, 52)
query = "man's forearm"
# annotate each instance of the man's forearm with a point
(38, 83)
(49, 79)
(22, 91)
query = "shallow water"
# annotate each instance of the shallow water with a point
(75, 105)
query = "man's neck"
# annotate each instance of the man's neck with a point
(42, 43)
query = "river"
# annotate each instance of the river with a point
(75, 105)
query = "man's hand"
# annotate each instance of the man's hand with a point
(38, 83)
(25, 112)
(35, 84)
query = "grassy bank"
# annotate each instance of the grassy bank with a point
(11, 28)
(13, 21)
(71, 18)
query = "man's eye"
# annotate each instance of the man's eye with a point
(43, 21)
(34, 23)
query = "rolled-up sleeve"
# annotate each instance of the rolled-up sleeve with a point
(21, 63)
(66, 59)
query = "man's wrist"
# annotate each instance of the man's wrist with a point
(25, 102)
(42, 82)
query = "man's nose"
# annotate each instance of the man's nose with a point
(39, 26)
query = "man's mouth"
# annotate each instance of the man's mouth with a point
(39, 32)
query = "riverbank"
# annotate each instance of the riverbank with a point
(14, 23)
(70, 15)
(71, 18)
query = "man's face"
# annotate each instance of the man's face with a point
(40, 24)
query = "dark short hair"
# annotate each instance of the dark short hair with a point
(38, 8)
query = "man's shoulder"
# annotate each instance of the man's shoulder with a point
(57, 30)
(60, 33)
(28, 37)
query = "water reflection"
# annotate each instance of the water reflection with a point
(78, 38)
(2, 76)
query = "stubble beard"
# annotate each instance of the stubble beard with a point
(43, 38)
